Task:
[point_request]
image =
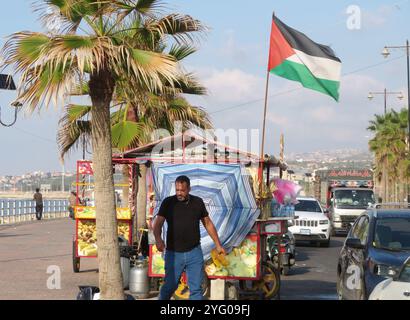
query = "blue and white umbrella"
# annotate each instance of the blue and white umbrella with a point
(226, 192)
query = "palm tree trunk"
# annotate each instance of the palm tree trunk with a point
(110, 277)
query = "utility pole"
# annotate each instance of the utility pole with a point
(385, 93)
(386, 54)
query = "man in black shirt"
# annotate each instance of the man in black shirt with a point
(183, 249)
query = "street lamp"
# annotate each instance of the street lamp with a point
(385, 54)
(385, 93)
(7, 83)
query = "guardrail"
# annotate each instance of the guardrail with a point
(14, 211)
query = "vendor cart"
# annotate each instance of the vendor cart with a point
(253, 271)
(249, 264)
(230, 199)
(85, 238)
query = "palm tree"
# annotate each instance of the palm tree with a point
(391, 154)
(379, 147)
(73, 128)
(90, 47)
(139, 111)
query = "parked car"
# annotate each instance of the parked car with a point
(311, 223)
(375, 249)
(397, 288)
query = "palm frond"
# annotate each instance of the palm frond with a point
(180, 52)
(183, 28)
(126, 133)
(71, 129)
(144, 66)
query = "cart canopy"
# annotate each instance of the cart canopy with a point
(227, 194)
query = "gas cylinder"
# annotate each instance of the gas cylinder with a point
(139, 281)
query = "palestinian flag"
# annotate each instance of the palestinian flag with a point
(296, 57)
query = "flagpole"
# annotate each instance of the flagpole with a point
(261, 159)
(262, 154)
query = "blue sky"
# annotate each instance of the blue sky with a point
(232, 62)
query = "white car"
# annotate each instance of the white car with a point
(311, 223)
(394, 288)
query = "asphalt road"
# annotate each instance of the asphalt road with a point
(314, 275)
(29, 250)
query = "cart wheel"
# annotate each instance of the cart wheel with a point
(76, 261)
(270, 282)
(182, 292)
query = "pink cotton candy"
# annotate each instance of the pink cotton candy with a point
(286, 190)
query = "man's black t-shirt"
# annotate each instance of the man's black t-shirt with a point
(183, 219)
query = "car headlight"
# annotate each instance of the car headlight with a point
(324, 222)
(384, 271)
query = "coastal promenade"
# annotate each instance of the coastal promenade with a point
(31, 249)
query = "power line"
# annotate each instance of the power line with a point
(300, 88)
(244, 103)
(34, 135)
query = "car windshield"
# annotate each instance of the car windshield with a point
(405, 273)
(392, 234)
(307, 205)
(353, 199)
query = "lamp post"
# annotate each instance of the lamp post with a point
(370, 97)
(7, 83)
(385, 54)
(385, 93)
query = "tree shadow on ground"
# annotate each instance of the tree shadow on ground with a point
(296, 270)
(13, 235)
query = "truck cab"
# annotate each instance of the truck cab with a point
(345, 204)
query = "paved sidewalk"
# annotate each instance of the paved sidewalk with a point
(29, 249)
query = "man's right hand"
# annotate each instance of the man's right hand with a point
(160, 245)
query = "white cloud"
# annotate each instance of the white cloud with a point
(277, 119)
(378, 17)
(323, 114)
(308, 119)
(239, 53)
(233, 85)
